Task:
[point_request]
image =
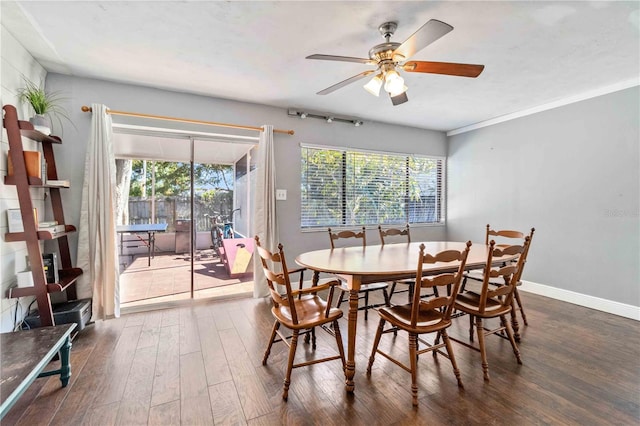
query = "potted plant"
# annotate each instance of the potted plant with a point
(45, 106)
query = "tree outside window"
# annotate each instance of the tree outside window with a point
(348, 188)
(160, 191)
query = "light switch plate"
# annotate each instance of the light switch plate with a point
(281, 194)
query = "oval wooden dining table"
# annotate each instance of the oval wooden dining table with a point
(376, 263)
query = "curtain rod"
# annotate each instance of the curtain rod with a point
(187, 120)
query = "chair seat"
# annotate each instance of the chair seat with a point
(311, 313)
(469, 302)
(429, 320)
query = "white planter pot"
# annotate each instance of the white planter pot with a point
(41, 124)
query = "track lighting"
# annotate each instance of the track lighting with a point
(328, 117)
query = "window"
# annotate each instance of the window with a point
(347, 188)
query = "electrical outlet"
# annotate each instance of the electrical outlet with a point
(281, 194)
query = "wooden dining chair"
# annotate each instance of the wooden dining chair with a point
(503, 238)
(425, 316)
(298, 310)
(491, 301)
(392, 235)
(365, 288)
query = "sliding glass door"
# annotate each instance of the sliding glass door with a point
(193, 187)
(153, 264)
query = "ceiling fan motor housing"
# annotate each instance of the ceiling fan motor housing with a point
(383, 51)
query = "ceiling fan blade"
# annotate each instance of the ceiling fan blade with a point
(448, 68)
(342, 59)
(345, 82)
(427, 34)
(399, 99)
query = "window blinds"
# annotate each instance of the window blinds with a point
(349, 188)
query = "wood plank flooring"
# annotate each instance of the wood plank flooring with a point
(201, 365)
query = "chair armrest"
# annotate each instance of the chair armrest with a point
(311, 290)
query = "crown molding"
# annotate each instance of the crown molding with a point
(551, 105)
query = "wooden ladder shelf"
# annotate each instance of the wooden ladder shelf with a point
(16, 129)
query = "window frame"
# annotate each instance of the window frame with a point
(345, 150)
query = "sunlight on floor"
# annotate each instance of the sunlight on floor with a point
(167, 280)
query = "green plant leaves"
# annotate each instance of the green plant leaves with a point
(42, 102)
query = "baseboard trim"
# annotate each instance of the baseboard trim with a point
(597, 303)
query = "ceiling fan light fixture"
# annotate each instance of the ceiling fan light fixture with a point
(403, 89)
(303, 115)
(329, 119)
(393, 83)
(374, 85)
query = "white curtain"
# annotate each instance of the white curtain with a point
(265, 211)
(97, 238)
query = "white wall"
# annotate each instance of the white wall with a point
(373, 136)
(16, 65)
(573, 173)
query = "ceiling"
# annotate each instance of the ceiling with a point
(534, 52)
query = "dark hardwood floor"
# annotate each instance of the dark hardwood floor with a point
(201, 364)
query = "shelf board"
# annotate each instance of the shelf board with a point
(42, 235)
(27, 130)
(67, 277)
(33, 182)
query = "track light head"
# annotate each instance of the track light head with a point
(329, 117)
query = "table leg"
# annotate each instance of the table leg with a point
(153, 244)
(149, 240)
(65, 367)
(350, 371)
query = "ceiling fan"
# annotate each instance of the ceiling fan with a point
(390, 57)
